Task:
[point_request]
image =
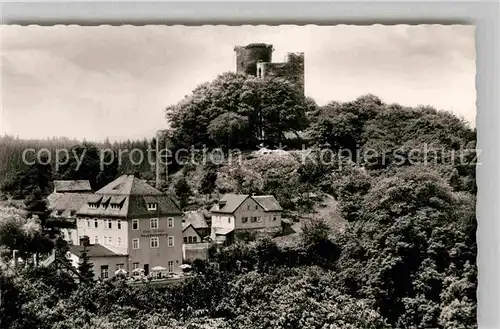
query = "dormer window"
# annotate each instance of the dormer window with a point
(93, 205)
(152, 206)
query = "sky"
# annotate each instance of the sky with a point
(110, 82)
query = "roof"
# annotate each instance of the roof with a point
(233, 201)
(268, 202)
(66, 204)
(195, 219)
(223, 230)
(94, 250)
(132, 195)
(128, 185)
(72, 186)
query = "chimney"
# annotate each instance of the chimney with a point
(162, 142)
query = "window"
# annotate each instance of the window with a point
(105, 240)
(253, 219)
(170, 241)
(170, 222)
(259, 219)
(244, 219)
(103, 206)
(229, 220)
(152, 206)
(274, 218)
(115, 206)
(248, 207)
(110, 224)
(96, 224)
(135, 243)
(185, 239)
(153, 223)
(190, 239)
(135, 265)
(170, 266)
(96, 239)
(195, 239)
(119, 224)
(104, 271)
(88, 223)
(120, 266)
(119, 241)
(110, 240)
(154, 242)
(135, 224)
(256, 207)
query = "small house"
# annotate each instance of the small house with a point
(238, 213)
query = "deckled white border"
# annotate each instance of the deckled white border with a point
(483, 14)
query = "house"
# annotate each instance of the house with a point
(134, 219)
(239, 213)
(194, 231)
(63, 208)
(194, 227)
(105, 260)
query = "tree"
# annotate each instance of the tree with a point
(183, 191)
(24, 235)
(271, 106)
(85, 163)
(36, 205)
(35, 178)
(208, 181)
(228, 129)
(412, 232)
(85, 267)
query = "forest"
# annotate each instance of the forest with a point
(405, 256)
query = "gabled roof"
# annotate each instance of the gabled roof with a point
(268, 202)
(66, 204)
(223, 230)
(72, 186)
(195, 219)
(233, 201)
(184, 228)
(128, 185)
(94, 250)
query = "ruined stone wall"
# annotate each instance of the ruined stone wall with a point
(291, 69)
(248, 56)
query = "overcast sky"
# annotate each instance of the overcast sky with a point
(98, 82)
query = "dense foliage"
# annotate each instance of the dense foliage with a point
(405, 257)
(237, 110)
(17, 177)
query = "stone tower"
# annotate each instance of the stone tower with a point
(256, 59)
(162, 146)
(248, 56)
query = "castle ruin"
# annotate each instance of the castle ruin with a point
(256, 59)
